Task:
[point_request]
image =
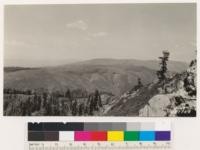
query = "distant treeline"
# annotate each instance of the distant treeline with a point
(13, 69)
(57, 103)
(76, 93)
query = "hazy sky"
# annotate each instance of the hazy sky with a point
(36, 35)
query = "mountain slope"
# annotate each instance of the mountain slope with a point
(111, 79)
(110, 75)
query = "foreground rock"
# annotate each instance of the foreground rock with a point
(176, 96)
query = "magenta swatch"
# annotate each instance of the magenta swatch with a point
(83, 136)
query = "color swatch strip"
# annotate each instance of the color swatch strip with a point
(100, 126)
(98, 132)
(100, 136)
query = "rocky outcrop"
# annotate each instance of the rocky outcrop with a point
(175, 96)
(178, 98)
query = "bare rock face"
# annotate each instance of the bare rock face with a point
(156, 106)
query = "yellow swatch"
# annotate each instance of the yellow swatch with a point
(115, 135)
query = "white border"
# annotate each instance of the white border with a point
(184, 128)
(92, 1)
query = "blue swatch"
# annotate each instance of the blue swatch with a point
(147, 136)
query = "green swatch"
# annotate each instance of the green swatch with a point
(131, 136)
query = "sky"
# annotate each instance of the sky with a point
(42, 35)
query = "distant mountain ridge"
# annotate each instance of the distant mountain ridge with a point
(175, 66)
(110, 75)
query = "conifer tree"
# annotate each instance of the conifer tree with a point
(163, 66)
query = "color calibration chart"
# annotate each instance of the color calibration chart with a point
(98, 135)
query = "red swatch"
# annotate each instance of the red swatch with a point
(99, 136)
